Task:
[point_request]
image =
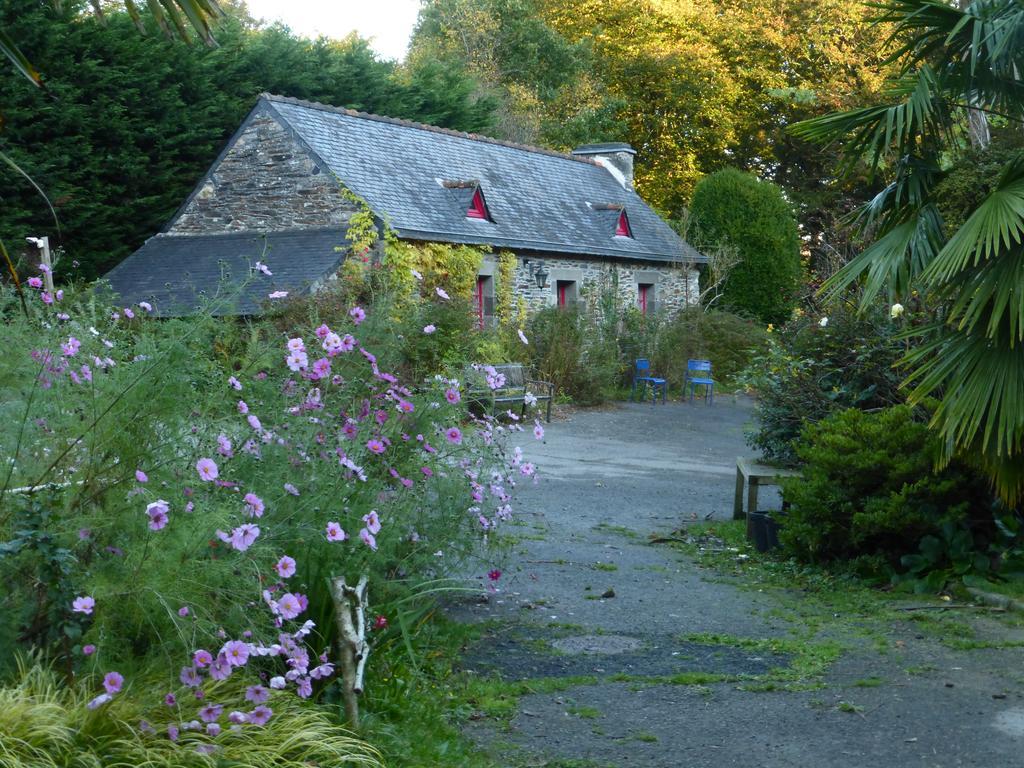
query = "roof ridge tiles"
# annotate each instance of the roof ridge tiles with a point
(271, 97)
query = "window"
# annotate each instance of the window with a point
(483, 300)
(477, 207)
(645, 297)
(622, 229)
(565, 292)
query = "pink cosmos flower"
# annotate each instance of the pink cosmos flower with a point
(254, 505)
(202, 658)
(348, 342)
(224, 446)
(368, 539)
(452, 395)
(321, 369)
(173, 732)
(277, 295)
(183, 611)
(538, 431)
(236, 652)
(331, 342)
(296, 345)
(291, 489)
(210, 713)
(141, 476)
(277, 683)
(358, 314)
(427, 471)
(212, 729)
(234, 383)
(322, 331)
(238, 718)
(441, 292)
(289, 606)
(375, 446)
(260, 715)
(88, 650)
(83, 605)
(285, 567)
(381, 622)
(112, 682)
(146, 306)
(189, 677)
(128, 313)
(170, 700)
(335, 532)
(494, 575)
(263, 268)
(243, 536)
(304, 687)
(220, 669)
(207, 469)
(454, 435)
(243, 407)
(297, 361)
(157, 512)
(48, 299)
(405, 406)
(429, 329)
(522, 337)
(257, 694)
(35, 282)
(254, 422)
(372, 522)
(71, 346)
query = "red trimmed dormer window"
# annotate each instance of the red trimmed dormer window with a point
(477, 208)
(622, 228)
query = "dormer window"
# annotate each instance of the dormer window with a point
(477, 208)
(622, 229)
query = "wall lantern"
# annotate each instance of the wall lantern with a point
(538, 273)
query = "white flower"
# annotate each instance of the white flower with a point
(896, 311)
(823, 322)
(277, 683)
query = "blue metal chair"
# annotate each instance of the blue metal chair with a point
(642, 375)
(700, 367)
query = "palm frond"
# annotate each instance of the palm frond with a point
(981, 381)
(21, 63)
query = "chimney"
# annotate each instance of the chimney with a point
(614, 157)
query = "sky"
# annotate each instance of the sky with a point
(387, 23)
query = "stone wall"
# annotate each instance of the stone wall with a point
(268, 182)
(675, 285)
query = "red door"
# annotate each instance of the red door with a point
(562, 288)
(643, 298)
(480, 300)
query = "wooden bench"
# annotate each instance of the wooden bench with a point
(754, 475)
(513, 391)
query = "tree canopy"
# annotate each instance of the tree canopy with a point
(127, 124)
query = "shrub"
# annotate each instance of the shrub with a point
(868, 488)
(809, 370)
(567, 349)
(727, 340)
(736, 208)
(120, 416)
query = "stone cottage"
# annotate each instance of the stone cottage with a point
(272, 196)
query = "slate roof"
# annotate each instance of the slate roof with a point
(538, 199)
(180, 273)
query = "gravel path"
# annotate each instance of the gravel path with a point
(592, 597)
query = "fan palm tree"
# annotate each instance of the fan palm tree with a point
(956, 64)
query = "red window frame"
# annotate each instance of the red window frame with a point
(622, 229)
(477, 209)
(480, 281)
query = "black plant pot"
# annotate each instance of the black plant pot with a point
(759, 530)
(771, 529)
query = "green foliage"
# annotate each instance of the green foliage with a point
(127, 124)
(728, 340)
(808, 371)
(564, 351)
(45, 723)
(868, 488)
(958, 65)
(737, 209)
